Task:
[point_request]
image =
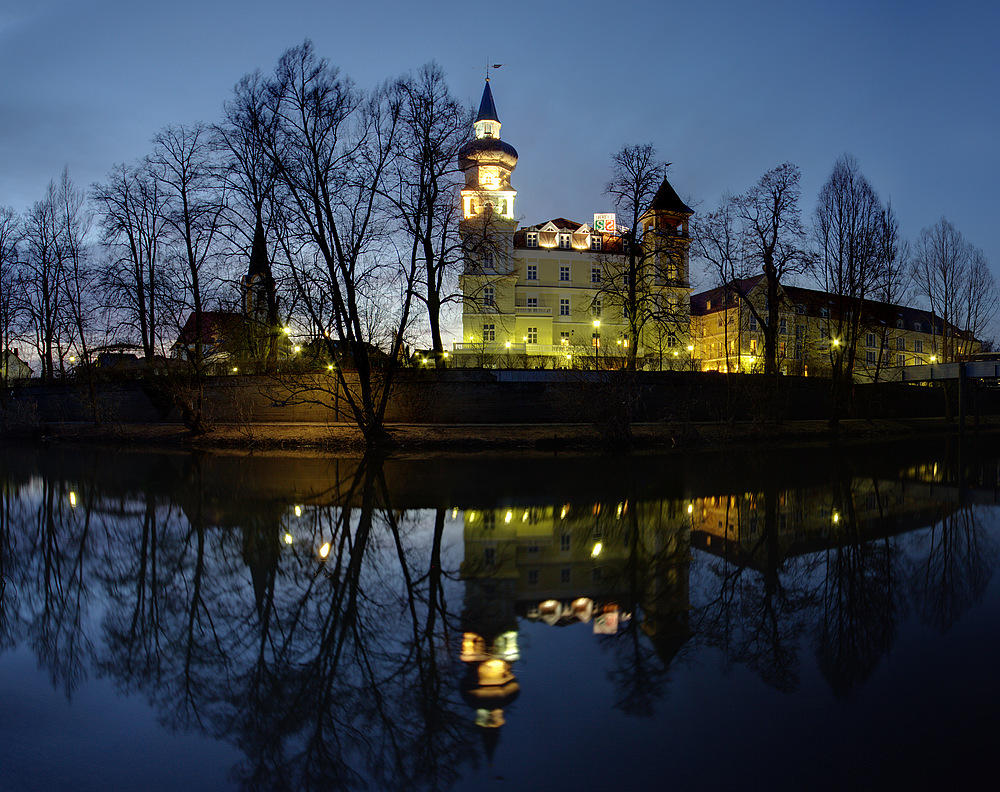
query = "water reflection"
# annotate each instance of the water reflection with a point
(313, 613)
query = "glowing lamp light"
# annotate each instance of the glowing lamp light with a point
(298, 511)
(296, 349)
(598, 547)
(324, 551)
(329, 367)
(597, 323)
(677, 354)
(690, 508)
(507, 345)
(235, 369)
(494, 672)
(288, 538)
(72, 499)
(836, 517)
(690, 347)
(933, 359)
(508, 516)
(288, 331)
(524, 517)
(454, 513)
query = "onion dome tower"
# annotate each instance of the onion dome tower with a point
(487, 163)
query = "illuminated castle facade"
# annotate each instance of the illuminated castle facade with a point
(549, 295)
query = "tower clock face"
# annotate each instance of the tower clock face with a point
(489, 177)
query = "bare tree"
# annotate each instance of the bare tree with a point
(45, 297)
(333, 150)
(11, 299)
(193, 203)
(131, 214)
(632, 277)
(857, 244)
(954, 278)
(423, 186)
(774, 243)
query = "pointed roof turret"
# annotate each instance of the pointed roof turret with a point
(667, 200)
(487, 109)
(258, 254)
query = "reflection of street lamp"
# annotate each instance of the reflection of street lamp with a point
(597, 343)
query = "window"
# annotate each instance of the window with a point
(918, 327)
(900, 360)
(532, 272)
(800, 309)
(753, 346)
(824, 312)
(595, 241)
(564, 542)
(564, 306)
(489, 332)
(532, 302)
(595, 274)
(918, 346)
(870, 340)
(671, 340)
(488, 295)
(800, 331)
(531, 239)
(870, 357)
(783, 326)
(564, 338)
(752, 324)
(901, 344)
(595, 340)
(564, 575)
(596, 308)
(798, 351)
(900, 323)
(565, 241)
(564, 274)
(488, 259)
(532, 335)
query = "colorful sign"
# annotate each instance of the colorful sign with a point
(605, 223)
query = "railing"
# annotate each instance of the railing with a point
(532, 310)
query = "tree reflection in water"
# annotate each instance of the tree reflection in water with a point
(317, 629)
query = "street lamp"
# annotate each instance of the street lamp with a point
(597, 343)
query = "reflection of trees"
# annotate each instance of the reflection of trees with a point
(322, 671)
(859, 601)
(650, 582)
(756, 617)
(958, 563)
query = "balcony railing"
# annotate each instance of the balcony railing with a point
(532, 310)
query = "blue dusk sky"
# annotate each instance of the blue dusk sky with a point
(725, 90)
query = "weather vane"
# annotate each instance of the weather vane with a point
(494, 65)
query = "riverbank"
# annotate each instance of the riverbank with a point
(497, 438)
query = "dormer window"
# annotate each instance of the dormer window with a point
(565, 241)
(488, 130)
(531, 239)
(595, 241)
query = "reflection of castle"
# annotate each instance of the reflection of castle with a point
(608, 565)
(754, 528)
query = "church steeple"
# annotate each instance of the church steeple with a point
(487, 163)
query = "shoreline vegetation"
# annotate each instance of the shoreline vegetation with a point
(423, 439)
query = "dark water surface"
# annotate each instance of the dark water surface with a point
(788, 619)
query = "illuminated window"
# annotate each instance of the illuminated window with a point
(564, 273)
(595, 340)
(595, 241)
(595, 274)
(533, 269)
(753, 346)
(532, 335)
(531, 239)
(489, 332)
(488, 295)
(565, 241)
(564, 306)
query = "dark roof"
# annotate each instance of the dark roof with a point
(487, 109)
(667, 200)
(813, 302)
(214, 326)
(259, 264)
